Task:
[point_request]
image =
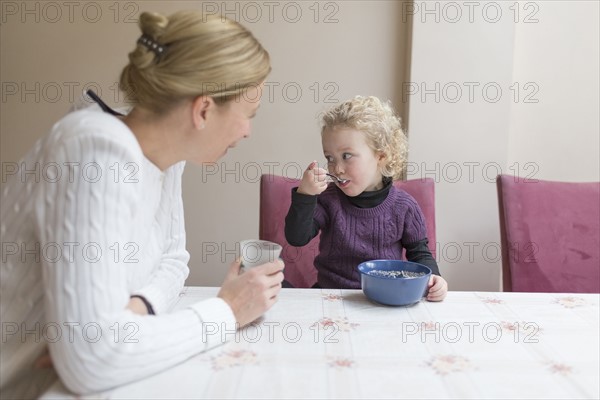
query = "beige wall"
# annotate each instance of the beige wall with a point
(361, 50)
(559, 135)
(321, 54)
(543, 124)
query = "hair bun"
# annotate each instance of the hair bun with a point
(153, 24)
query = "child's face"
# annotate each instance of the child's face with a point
(349, 157)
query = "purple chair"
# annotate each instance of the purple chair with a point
(550, 235)
(275, 200)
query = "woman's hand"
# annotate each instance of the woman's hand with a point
(314, 181)
(438, 288)
(252, 293)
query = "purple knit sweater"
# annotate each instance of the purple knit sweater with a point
(351, 235)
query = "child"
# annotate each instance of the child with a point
(365, 217)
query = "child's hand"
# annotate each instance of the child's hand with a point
(438, 288)
(314, 181)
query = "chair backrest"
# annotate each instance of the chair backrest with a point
(550, 235)
(275, 200)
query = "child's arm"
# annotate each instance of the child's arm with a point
(419, 252)
(300, 226)
(414, 240)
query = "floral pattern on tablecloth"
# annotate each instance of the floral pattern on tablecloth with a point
(332, 297)
(530, 330)
(570, 301)
(341, 324)
(340, 362)
(448, 363)
(492, 300)
(233, 358)
(429, 326)
(559, 368)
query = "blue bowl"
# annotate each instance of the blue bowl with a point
(393, 291)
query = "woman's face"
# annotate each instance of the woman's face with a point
(229, 123)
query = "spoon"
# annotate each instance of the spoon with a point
(335, 178)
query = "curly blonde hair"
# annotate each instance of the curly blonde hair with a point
(381, 126)
(204, 55)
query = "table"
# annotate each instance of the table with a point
(337, 344)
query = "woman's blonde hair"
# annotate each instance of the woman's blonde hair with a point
(203, 55)
(379, 123)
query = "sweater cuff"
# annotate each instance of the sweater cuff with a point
(217, 320)
(305, 199)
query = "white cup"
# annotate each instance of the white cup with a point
(258, 252)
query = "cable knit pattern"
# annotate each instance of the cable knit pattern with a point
(351, 235)
(87, 221)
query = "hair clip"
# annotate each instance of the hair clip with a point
(152, 45)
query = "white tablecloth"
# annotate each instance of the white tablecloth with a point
(337, 344)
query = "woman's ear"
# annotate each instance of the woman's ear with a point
(200, 108)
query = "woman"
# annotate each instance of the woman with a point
(98, 243)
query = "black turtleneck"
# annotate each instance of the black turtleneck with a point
(374, 198)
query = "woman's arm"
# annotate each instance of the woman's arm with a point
(86, 292)
(162, 291)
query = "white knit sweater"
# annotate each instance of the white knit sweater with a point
(86, 222)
